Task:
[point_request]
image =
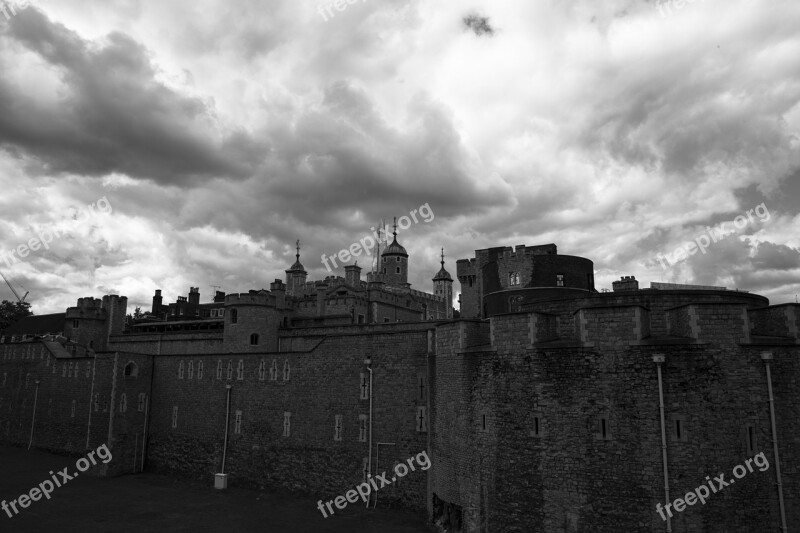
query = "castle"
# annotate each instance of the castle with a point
(548, 406)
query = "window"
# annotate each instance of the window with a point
(398, 259)
(27, 379)
(513, 278)
(483, 422)
(364, 386)
(602, 428)
(337, 427)
(365, 468)
(230, 370)
(219, 369)
(72, 412)
(174, 417)
(287, 424)
(199, 370)
(190, 373)
(180, 370)
(386, 320)
(397, 270)
(678, 428)
(69, 372)
(514, 303)
(750, 439)
(360, 319)
(237, 426)
(88, 369)
(262, 370)
(537, 429)
(362, 428)
(96, 403)
(559, 280)
(422, 419)
(75, 323)
(286, 370)
(273, 371)
(240, 370)
(254, 339)
(213, 313)
(234, 316)
(140, 406)
(421, 386)
(123, 403)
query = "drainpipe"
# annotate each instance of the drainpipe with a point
(33, 422)
(368, 362)
(148, 399)
(658, 359)
(227, 419)
(767, 357)
(91, 401)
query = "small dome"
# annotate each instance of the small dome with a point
(442, 275)
(395, 249)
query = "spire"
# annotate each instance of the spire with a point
(395, 228)
(297, 266)
(443, 275)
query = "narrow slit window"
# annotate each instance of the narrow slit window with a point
(237, 427)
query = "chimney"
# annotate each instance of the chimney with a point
(194, 295)
(219, 297)
(278, 288)
(352, 275)
(322, 290)
(157, 303)
(626, 283)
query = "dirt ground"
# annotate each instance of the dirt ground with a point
(150, 502)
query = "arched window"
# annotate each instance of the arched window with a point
(254, 339)
(131, 370)
(234, 316)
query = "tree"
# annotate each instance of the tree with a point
(12, 312)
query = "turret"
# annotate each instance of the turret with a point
(296, 275)
(443, 287)
(394, 263)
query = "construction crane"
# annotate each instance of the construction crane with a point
(21, 300)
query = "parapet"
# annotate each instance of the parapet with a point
(616, 325)
(725, 323)
(776, 321)
(244, 298)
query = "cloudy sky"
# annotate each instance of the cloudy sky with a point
(210, 135)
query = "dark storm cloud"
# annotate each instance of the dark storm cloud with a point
(112, 115)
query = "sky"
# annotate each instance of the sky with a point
(176, 144)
